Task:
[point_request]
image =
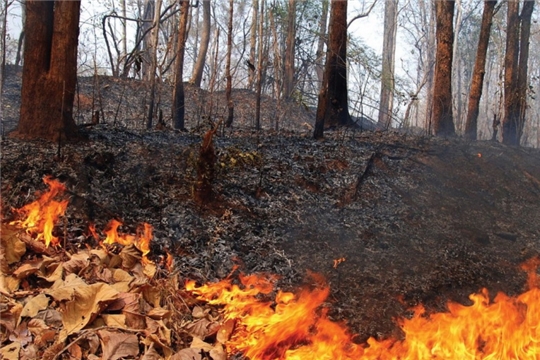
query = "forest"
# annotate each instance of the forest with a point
(473, 57)
(269, 179)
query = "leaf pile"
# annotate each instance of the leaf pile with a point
(98, 303)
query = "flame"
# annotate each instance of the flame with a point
(295, 327)
(42, 214)
(141, 240)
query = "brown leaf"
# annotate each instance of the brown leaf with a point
(159, 313)
(114, 320)
(51, 317)
(151, 354)
(12, 247)
(131, 256)
(77, 262)
(35, 305)
(11, 351)
(88, 301)
(8, 284)
(117, 345)
(187, 354)
(75, 352)
(28, 268)
(37, 326)
(202, 328)
(225, 331)
(63, 290)
(21, 335)
(29, 352)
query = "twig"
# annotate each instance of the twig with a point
(364, 174)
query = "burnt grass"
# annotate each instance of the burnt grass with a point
(418, 220)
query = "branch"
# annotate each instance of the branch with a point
(359, 16)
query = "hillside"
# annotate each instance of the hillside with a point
(417, 219)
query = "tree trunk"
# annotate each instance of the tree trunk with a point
(259, 69)
(196, 77)
(288, 78)
(333, 107)
(153, 64)
(321, 42)
(253, 43)
(50, 70)
(477, 82)
(148, 16)
(443, 123)
(178, 109)
(388, 63)
(228, 89)
(511, 99)
(21, 36)
(523, 81)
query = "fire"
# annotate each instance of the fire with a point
(141, 240)
(295, 327)
(42, 214)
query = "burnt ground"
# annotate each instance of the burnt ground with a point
(417, 219)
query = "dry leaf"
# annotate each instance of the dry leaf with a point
(13, 248)
(225, 331)
(114, 320)
(160, 330)
(11, 351)
(117, 345)
(75, 352)
(51, 317)
(198, 343)
(28, 268)
(77, 262)
(159, 313)
(151, 354)
(218, 353)
(63, 290)
(8, 284)
(56, 274)
(202, 328)
(198, 312)
(131, 256)
(35, 305)
(88, 302)
(9, 318)
(21, 335)
(29, 352)
(187, 354)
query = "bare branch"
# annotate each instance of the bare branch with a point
(362, 15)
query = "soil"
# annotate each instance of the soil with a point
(413, 219)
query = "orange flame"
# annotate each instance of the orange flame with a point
(141, 240)
(42, 214)
(294, 326)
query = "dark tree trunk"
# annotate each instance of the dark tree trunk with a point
(443, 123)
(523, 81)
(50, 70)
(333, 107)
(288, 76)
(196, 77)
(511, 99)
(178, 107)
(477, 81)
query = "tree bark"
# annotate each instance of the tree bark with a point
(477, 82)
(288, 78)
(153, 65)
(333, 107)
(178, 107)
(50, 71)
(253, 43)
(259, 68)
(321, 42)
(388, 64)
(228, 89)
(523, 81)
(196, 77)
(443, 123)
(511, 98)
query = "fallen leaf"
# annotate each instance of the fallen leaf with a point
(77, 262)
(11, 351)
(12, 247)
(63, 290)
(131, 256)
(159, 313)
(117, 345)
(114, 320)
(35, 305)
(187, 354)
(225, 331)
(75, 352)
(28, 268)
(202, 328)
(29, 352)
(218, 353)
(8, 284)
(51, 317)
(21, 335)
(88, 301)
(151, 354)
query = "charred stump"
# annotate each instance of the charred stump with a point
(203, 192)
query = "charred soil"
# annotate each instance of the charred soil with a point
(413, 219)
